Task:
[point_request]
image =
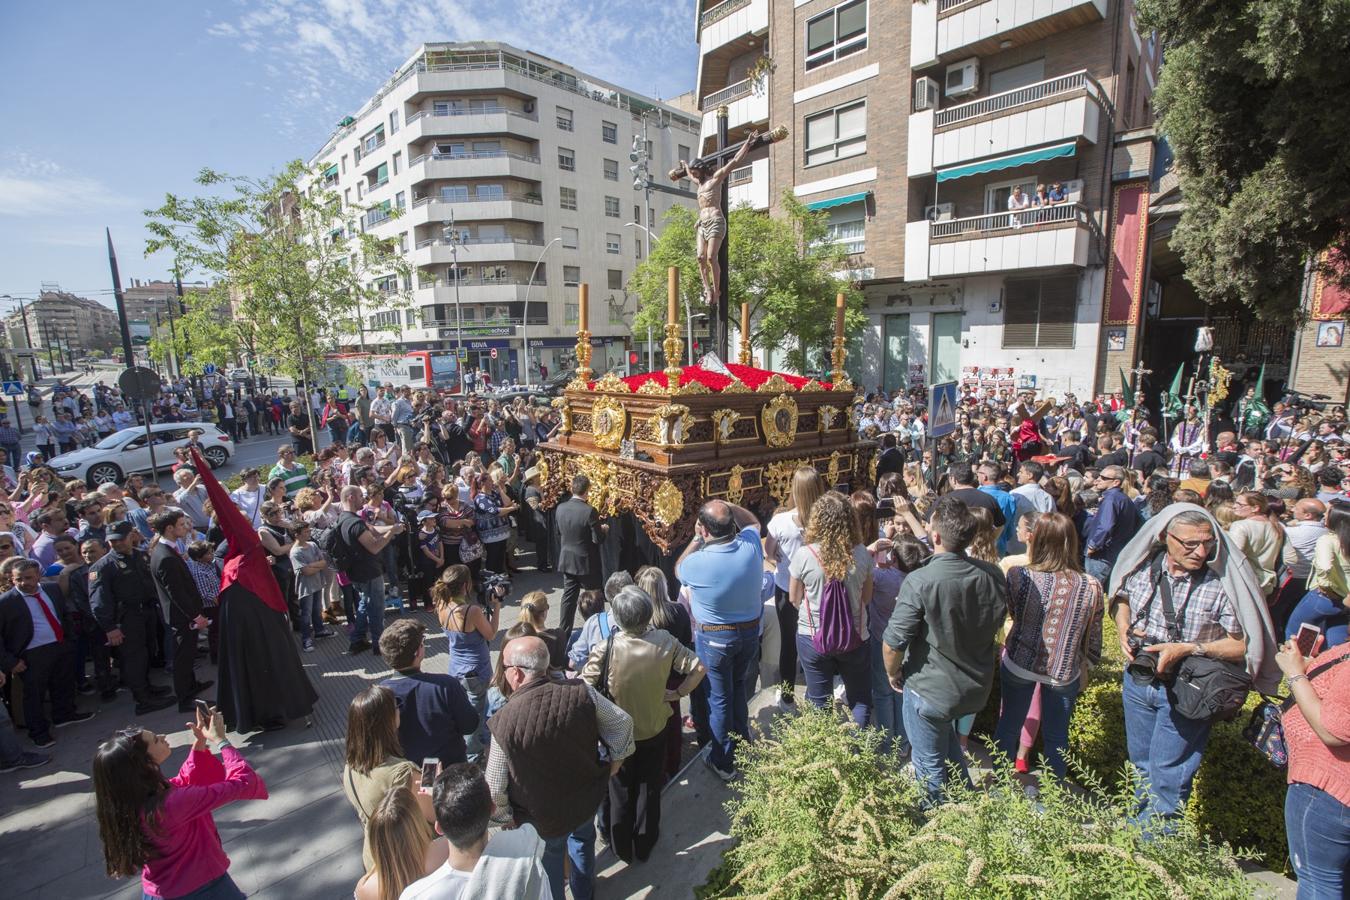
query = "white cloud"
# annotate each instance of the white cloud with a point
(39, 188)
(341, 51)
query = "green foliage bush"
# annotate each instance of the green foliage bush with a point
(822, 813)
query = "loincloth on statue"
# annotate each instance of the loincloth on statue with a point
(714, 226)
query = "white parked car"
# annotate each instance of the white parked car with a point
(126, 451)
(239, 375)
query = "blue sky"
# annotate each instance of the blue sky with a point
(111, 105)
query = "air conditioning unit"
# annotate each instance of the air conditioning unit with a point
(963, 78)
(925, 94)
(939, 213)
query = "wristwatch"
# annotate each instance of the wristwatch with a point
(1200, 649)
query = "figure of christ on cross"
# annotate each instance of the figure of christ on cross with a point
(712, 219)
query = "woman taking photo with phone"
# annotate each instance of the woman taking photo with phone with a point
(163, 826)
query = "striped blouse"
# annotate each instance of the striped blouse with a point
(1056, 625)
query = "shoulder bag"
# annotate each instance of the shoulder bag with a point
(1265, 728)
(1204, 687)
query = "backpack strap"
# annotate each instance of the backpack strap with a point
(604, 624)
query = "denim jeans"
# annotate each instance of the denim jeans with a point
(729, 657)
(476, 687)
(311, 615)
(1164, 746)
(1316, 608)
(888, 706)
(369, 609)
(356, 435)
(934, 745)
(223, 888)
(389, 560)
(1056, 710)
(579, 846)
(853, 667)
(1099, 569)
(1317, 826)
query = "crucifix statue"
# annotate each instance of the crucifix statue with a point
(710, 174)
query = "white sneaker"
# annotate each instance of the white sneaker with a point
(787, 704)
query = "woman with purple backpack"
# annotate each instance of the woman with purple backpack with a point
(831, 585)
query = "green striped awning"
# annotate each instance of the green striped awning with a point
(838, 201)
(999, 163)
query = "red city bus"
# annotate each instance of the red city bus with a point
(416, 368)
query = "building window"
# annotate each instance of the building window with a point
(612, 243)
(612, 207)
(401, 201)
(571, 276)
(571, 314)
(1039, 312)
(564, 118)
(567, 197)
(387, 285)
(614, 278)
(344, 164)
(847, 227)
(609, 132)
(360, 190)
(444, 107)
(611, 170)
(838, 33)
(490, 192)
(637, 247)
(836, 134)
(570, 238)
(454, 193)
(381, 174)
(330, 176)
(393, 122)
(460, 273)
(403, 242)
(567, 160)
(1127, 109)
(397, 162)
(373, 141)
(387, 319)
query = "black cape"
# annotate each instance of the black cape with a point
(260, 678)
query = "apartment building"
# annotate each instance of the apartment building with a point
(60, 319)
(510, 175)
(144, 300)
(912, 123)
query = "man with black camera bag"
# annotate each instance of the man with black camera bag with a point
(1194, 626)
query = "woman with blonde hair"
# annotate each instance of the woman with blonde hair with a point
(833, 551)
(671, 617)
(1051, 588)
(785, 533)
(404, 847)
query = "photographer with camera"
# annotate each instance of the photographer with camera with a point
(1193, 624)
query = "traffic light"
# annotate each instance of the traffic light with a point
(633, 357)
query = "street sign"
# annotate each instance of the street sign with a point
(463, 354)
(942, 409)
(13, 388)
(138, 383)
(24, 354)
(209, 369)
(493, 353)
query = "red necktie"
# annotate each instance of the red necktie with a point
(51, 619)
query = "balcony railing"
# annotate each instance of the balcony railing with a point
(529, 242)
(376, 216)
(478, 282)
(1008, 100)
(721, 11)
(474, 154)
(515, 321)
(492, 198)
(479, 111)
(727, 94)
(1031, 217)
(949, 5)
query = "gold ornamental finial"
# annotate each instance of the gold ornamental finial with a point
(672, 345)
(746, 358)
(583, 333)
(837, 357)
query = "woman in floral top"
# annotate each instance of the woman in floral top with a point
(491, 507)
(1056, 634)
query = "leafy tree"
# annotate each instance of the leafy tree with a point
(780, 265)
(292, 270)
(1252, 99)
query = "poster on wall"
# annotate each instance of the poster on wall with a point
(1330, 334)
(1115, 340)
(918, 375)
(987, 381)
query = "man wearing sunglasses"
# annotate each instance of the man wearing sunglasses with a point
(1164, 746)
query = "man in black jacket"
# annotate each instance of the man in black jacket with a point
(122, 599)
(435, 714)
(179, 595)
(34, 622)
(579, 536)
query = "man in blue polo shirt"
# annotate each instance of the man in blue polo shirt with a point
(723, 568)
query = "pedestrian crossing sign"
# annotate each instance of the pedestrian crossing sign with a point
(13, 388)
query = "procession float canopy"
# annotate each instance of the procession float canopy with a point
(657, 444)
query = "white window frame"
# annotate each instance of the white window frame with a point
(844, 148)
(854, 245)
(572, 282)
(567, 197)
(605, 167)
(489, 191)
(613, 242)
(567, 159)
(374, 140)
(454, 193)
(393, 122)
(563, 117)
(1028, 183)
(609, 132)
(832, 53)
(575, 236)
(394, 162)
(612, 207)
(609, 277)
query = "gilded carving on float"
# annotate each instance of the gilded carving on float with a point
(736, 484)
(826, 418)
(779, 418)
(653, 387)
(564, 409)
(736, 387)
(724, 420)
(776, 384)
(671, 422)
(613, 383)
(668, 503)
(609, 419)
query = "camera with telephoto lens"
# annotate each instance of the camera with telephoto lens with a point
(493, 585)
(1144, 667)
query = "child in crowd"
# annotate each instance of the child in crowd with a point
(206, 572)
(430, 559)
(308, 562)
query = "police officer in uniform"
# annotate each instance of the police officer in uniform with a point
(122, 597)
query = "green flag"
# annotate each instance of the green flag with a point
(1259, 401)
(1123, 414)
(1172, 405)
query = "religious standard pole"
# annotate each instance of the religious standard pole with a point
(130, 358)
(721, 329)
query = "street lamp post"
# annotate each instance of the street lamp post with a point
(525, 314)
(450, 234)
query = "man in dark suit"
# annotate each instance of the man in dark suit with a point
(579, 536)
(34, 622)
(178, 592)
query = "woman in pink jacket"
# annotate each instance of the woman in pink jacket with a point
(163, 826)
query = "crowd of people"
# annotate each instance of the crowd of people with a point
(1001, 551)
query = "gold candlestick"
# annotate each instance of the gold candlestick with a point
(837, 356)
(672, 345)
(583, 334)
(745, 335)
